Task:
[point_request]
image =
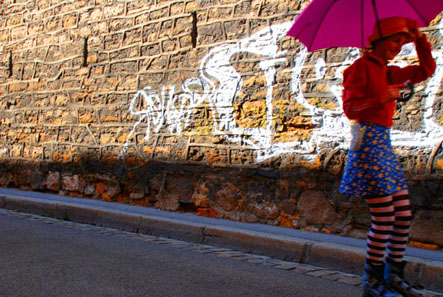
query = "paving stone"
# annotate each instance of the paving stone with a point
(334, 277)
(255, 261)
(286, 266)
(160, 241)
(306, 268)
(351, 281)
(321, 273)
(241, 257)
(201, 247)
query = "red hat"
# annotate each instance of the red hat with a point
(391, 26)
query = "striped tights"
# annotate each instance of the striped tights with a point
(391, 219)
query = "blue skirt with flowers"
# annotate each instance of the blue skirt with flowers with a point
(374, 169)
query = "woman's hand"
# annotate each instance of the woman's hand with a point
(393, 92)
(413, 29)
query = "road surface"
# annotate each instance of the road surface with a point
(47, 257)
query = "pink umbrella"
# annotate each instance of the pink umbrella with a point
(349, 23)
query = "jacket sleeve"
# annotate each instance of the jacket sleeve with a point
(416, 73)
(355, 100)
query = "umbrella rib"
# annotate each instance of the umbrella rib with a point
(377, 19)
(301, 31)
(362, 24)
(321, 22)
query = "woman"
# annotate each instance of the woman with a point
(373, 172)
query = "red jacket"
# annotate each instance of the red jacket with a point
(365, 84)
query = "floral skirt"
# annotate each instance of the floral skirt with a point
(374, 169)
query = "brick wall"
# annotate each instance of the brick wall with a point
(196, 105)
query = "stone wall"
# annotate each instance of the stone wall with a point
(201, 106)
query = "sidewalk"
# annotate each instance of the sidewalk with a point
(317, 249)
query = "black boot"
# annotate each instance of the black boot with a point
(373, 282)
(394, 278)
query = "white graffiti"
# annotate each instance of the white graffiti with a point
(218, 83)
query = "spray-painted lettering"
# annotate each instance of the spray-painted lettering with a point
(218, 83)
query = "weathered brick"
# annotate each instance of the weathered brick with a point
(151, 32)
(4, 35)
(17, 86)
(18, 32)
(13, 20)
(177, 8)
(42, 4)
(120, 24)
(169, 45)
(113, 41)
(125, 53)
(158, 13)
(151, 50)
(53, 24)
(217, 13)
(94, 15)
(113, 10)
(69, 20)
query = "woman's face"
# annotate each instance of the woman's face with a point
(389, 47)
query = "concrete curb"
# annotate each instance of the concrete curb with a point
(427, 273)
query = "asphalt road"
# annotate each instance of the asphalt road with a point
(47, 257)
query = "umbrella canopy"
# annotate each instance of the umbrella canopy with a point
(349, 23)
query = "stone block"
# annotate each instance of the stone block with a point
(76, 213)
(113, 10)
(19, 32)
(69, 20)
(289, 206)
(6, 179)
(432, 277)
(42, 4)
(288, 249)
(161, 12)
(427, 226)
(120, 24)
(42, 208)
(52, 181)
(17, 86)
(118, 220)
(315, 209)
(72, 183)
(192, 232)
(13, 20)
(4, 35)
(337, 257)
(132, 36)
(53, 24)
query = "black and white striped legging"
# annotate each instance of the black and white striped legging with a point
(391, 219)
